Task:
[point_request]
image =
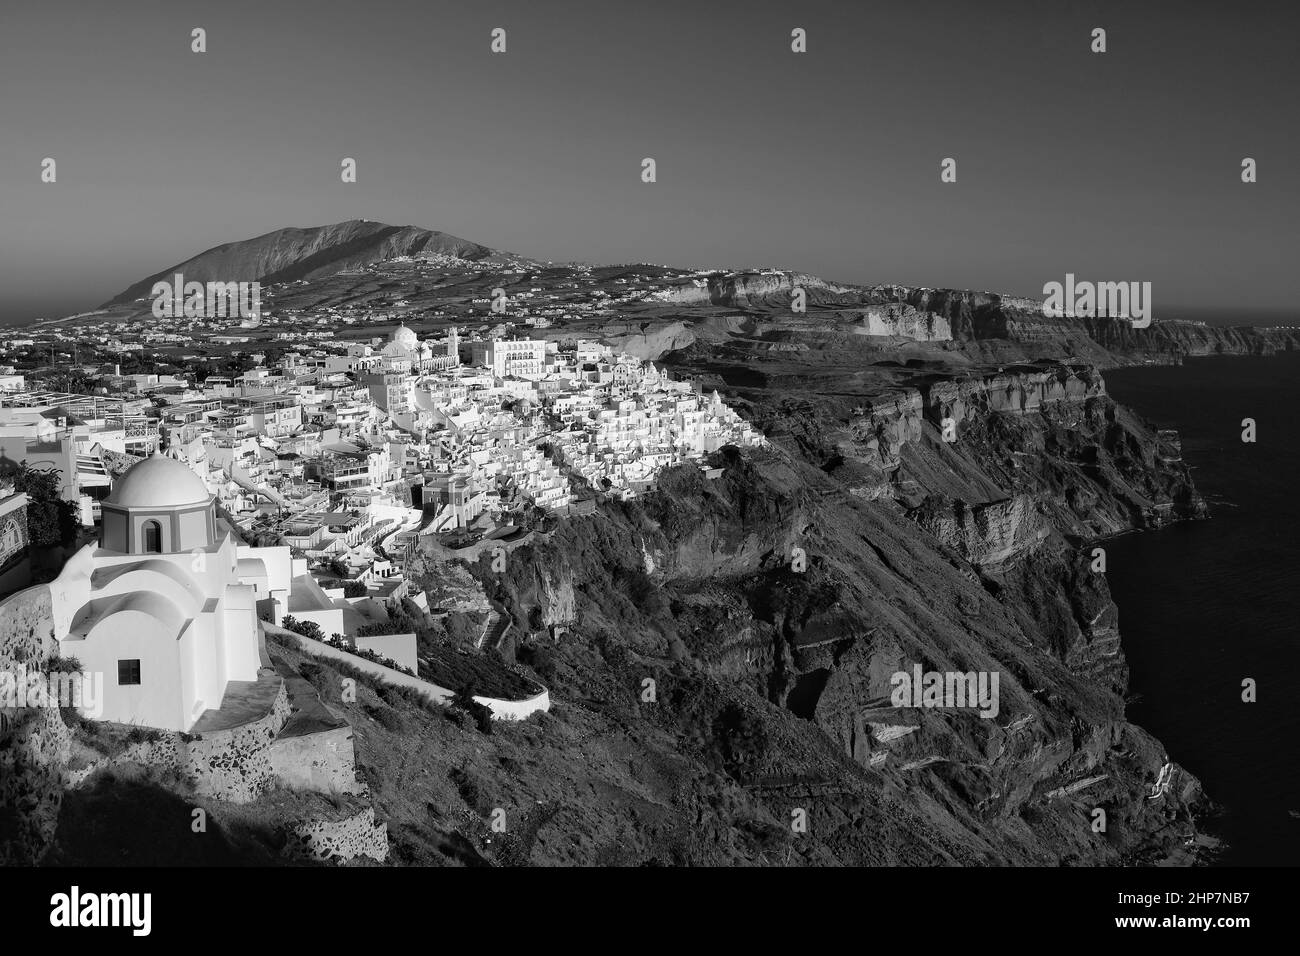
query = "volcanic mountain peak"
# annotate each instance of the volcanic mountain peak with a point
(289, 254)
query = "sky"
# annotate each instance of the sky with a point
(1121, 166)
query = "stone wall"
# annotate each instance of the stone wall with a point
(324, 761)
(234, 765)
(430, 546)
(14, 538)
(501, 709)
(27, 629)
(34, 742)
(32, 756)
(339, 841)
(515, 709)
(398, 648)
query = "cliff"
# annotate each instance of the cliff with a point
(985, 327)
(994, 327)
(770, 607)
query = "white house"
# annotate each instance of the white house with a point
(160, 608)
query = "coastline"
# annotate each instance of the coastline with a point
(1164, 587)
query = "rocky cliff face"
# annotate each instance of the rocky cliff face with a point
(989, 537)
(999, 327)
(756, 290)
(1178, 340)
(648, 342)
(773, 605)
(827, 305)
(906, 322)
(984, 326)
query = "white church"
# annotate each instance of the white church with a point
(166, 608)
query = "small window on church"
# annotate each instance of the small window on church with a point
(128, 672)
(152, 537)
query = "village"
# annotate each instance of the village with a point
(330, 469)
(347, 457)
(228, 527)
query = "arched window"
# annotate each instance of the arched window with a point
(152, 536)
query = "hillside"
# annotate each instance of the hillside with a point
(287, 255)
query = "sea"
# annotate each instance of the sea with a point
(1206, 605)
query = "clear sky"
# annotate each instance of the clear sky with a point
(1119, 166)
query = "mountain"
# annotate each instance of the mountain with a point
(286, 255)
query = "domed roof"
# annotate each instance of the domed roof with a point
(158, 482)
(404, 336)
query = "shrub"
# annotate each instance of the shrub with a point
(377, 629)
(51, 521)
(387, 718)
(540, 658)
(305, 628)
(482, 714)
(63, 665)
(351, 589)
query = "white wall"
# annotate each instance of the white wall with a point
(396, 647)
(133, 634)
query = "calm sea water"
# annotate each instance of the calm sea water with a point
(1204, 605)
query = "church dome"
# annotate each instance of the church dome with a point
(158, 482)
(404, 336)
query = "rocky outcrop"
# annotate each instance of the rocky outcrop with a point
(991, 536)
(882, 426)
(648, 341)
(906, 322)
(1019, 391)
(757, 290)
